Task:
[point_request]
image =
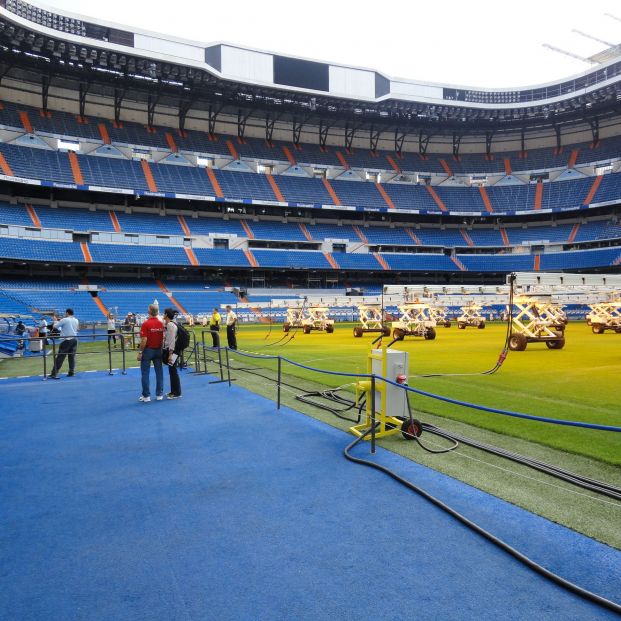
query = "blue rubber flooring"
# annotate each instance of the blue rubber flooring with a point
(219, 507)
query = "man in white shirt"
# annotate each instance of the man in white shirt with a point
(231, 328)
(68, 327)
(43, 329)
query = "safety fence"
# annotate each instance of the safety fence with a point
(221, 356)
(46, 349)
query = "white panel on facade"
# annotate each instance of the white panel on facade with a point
(247, 65)
(352, 82)
(407, 89)
(170, 48)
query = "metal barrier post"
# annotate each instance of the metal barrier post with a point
(44, 352)
(220, 363)
(54, 354)
(109, 357)
(279, 376)
(373, 414)
(228, 366)
(123, 354)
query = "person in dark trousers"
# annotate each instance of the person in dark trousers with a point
(171, 357)
(68, 328)
(151, 340)
(20, 329)
(231, 328)
(111, 324)
(43, 330)
(214, 326)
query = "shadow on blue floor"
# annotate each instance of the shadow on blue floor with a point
(219, 507)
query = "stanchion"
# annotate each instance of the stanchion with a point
(373, 414)
(279, 378)
(123, 355)
(53, 353)
(44, 352)
(109, 358)
(228, 366)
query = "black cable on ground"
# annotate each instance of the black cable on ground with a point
(566, 584)
(576, 479)
(503, 354)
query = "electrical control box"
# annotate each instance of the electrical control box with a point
(397, 363)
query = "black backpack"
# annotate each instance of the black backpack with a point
(183, 338)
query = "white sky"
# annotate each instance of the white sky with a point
(488, 43)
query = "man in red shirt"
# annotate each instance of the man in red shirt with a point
(151, 338)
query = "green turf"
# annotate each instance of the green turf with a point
(579, 382)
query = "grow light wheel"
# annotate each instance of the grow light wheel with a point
(410, 430)
(307, 329)
(286, 327)
(358, 331)
(430, 334)
(557, 344)
(517, 342)
(386, 331)
(461, 325)
(597, 328)
(398, 333)
(481, 325)
(329, 329)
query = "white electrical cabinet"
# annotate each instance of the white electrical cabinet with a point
(397, 363)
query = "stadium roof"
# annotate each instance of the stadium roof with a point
(40, 45)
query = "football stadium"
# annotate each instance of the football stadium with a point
(382, 315)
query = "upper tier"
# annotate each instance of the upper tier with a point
(63, 124)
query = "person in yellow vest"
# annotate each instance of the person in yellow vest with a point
(214, 326)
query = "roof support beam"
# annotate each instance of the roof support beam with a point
(184, 108)
(423, 142)
(151, 104)
(399, 139)
(242, 118)
(489, 136)
(557, 131)
(84, 86)
(323, 133)
(119, 95)
(456, 144)
(269, 128)
(213, 117)
(45, 90)
(349, 136)
(374, 136)
(594, 125)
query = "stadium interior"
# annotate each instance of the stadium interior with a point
(136, 168)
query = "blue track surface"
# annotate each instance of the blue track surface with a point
(219, 507)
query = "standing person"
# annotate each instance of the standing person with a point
(110, 322)
(171, 357)
(43, 330)
(214, 326)
(68, 328)
(231, 327)
(151, 338)
(20, 329)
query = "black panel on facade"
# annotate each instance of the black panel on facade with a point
(213, 57)
(301, 73)
(382, 85)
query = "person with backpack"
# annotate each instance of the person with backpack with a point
(176, 339)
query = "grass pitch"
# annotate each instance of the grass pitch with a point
(579, 382)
